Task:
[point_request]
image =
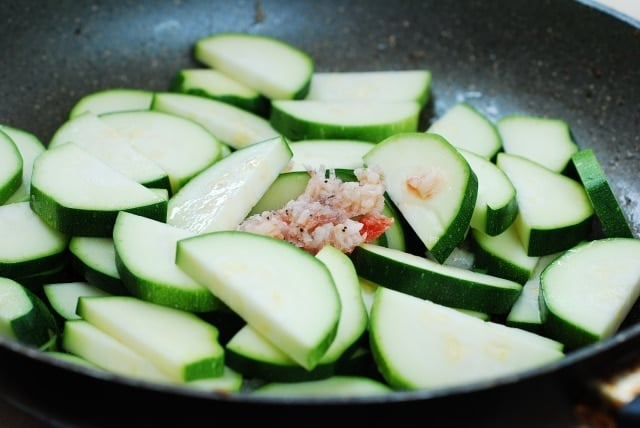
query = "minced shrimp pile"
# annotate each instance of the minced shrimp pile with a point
(344, 214)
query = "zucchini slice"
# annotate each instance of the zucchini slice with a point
(543, 140)
(525, 312)
(466, 128)
(180, 344)
(251, 354)
(606, 206)
(10, 167)
(390, 85)
(29, 147)
(335, 386)
(25, 317)
(220, 197)
(503, 255)
(603, 276)
(286, 187)
(276, 69)
(218, 86)
(94, 135)
(418, 344)
(283, 292)
(86, 344)
(63, 296)
(496, 205)
(79, 195)
(332, 154)
(145, 252)
(29, 245)
(447, 285)
(180, 146)
(254, 356)
(112, 100)
(95, 260)
(353, 316)
(554, 212)
(231, 125)
(86, 341)
(431, 184)
(350, 120)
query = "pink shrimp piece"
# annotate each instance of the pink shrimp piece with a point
(330, 211)
(426, 185)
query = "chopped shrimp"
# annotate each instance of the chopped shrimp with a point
(426, 185)
(329, 211)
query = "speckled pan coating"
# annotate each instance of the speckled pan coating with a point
(559, 58)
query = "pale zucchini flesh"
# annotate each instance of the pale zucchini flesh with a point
(209, 83)
(231, 125)
(427, 279)
(525, 312)
(29, 147)
(25, 317)
(546, 141)
(28, 245)
(94, 259)
(112, 100)
(220, 197)
(10, 167)
(254, 356)
(338, 154)
(287, 186)
(86, 341)
(63, 296)
(603, 276)
(105, 142)
(180, 146)
(353, 316)
(467, 128)
(431, 184)
(181, 345)
(503, 255)
(418, 344)
(606, 206)
(282, 291)
(395, 85)
(335, 386)
(357, 120)
(78, 194)
(145, 251)
(496, 204)
(276, 69)
(554, 212)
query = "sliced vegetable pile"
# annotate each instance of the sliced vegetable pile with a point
(265, 228)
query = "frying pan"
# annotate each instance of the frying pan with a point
(557, 58)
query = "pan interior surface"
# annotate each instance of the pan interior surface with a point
(559, 58)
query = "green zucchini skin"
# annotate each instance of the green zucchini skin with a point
(252, 101)
(587, 292)
(216, 50)
(35, 325)
(548, 241)
(89, 259)
(439, 287)
(284, 118)
(607, 209)
(85, 222)
(274, 372)
(11, 167)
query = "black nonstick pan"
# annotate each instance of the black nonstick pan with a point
(556, 58)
